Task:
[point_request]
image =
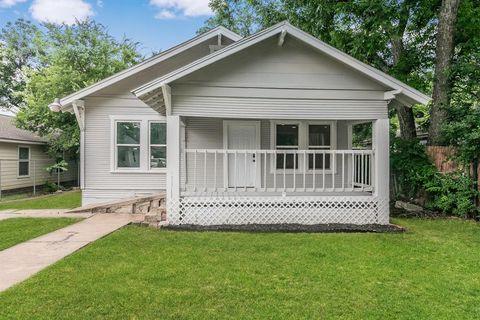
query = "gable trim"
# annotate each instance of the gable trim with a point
(408, 92)
(68, 100)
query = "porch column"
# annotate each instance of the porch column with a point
(381, 144)
(173, 165)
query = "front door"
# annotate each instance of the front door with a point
(241, 169)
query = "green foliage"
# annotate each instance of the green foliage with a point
(18, 52)
(66, 59)
(413, 171)
(51, 186)
(62, 165)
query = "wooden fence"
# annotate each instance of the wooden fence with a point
(441, 157)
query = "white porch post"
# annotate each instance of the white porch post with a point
(381, 173)
(173, 165)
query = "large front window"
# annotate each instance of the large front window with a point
(317, 138)
(139, 144)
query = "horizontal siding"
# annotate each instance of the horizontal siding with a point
(273, 108)
(98, 146)
(39, 161)
(294, 65)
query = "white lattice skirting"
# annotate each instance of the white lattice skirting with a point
(278, 210)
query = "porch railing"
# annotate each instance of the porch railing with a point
(221, 170)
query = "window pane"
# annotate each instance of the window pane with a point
(319, 135)
(158, 157)
(288, 158)
(23, 168)
(158, 133)
(287, 135)
(23, 153)
(319, 161)
(128, 132)
(128, 157)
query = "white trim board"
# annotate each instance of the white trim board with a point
(67, 101)
(410, 94)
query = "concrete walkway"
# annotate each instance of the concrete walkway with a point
(41, 213)
(21, 261)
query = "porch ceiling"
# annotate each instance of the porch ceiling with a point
(156, 101)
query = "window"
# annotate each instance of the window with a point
(319, 137)
(23, 161)
(158, 145)
(128, 144)
(287, 138)
(139, 144)
(303, 135)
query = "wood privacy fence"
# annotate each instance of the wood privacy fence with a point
(441, 157)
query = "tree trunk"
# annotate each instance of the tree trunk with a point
(405, 114)
(475, 185)
(441, 81)
(407, 122)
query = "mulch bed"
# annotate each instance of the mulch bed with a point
(292, 228)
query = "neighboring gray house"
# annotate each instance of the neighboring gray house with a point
(23, 159)
(242, 130)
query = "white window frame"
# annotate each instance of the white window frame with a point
(144, 143)
(150, 145)
(332, 146)
(23, 160)
(302, 142)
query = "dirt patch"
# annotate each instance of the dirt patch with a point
(292, 228)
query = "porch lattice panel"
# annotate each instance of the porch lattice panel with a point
(275, 210)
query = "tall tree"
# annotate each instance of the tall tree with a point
(72, 57)
(18, 52)
(394, 36)
(441, 83)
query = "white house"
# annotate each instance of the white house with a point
(242, 130)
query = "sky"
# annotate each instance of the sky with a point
(156, 24)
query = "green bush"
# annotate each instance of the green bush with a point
(414, 172)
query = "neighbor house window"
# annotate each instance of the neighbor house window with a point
(128, 144)
(158, 145)
(319, 138)
(287, 138)
(23, 161)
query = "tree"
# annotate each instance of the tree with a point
(444, 56)
(394, 36)
(72, 57)
(18, 52)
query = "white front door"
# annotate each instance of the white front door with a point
(241, 169)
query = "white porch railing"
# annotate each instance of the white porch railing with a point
(274, 171)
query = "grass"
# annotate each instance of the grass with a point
(65, 200)
(431, 272)
(17, 230)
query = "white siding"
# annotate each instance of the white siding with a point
(101, 184)
(39, 161)
(271, 82)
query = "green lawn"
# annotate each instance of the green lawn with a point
(65, 200)
(16, 230)
(431, 272)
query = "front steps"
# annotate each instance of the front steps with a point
(153, 208)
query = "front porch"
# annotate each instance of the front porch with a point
(251, 171)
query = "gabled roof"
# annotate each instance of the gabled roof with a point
(401, 90)
(66, 101)
(10, 133)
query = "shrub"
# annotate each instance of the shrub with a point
(450, 193)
